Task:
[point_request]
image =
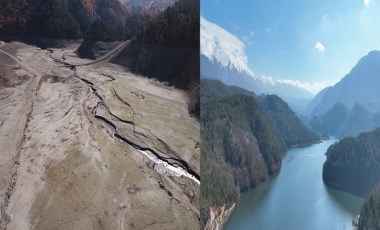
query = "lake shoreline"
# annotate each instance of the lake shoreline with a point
(285, 192)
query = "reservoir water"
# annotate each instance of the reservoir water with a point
(297, 198)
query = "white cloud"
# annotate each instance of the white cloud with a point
(367, 2)
(217, 43)
(268, 79)
(314, 87)
(319, 47)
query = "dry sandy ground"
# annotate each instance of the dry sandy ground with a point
(92, 146)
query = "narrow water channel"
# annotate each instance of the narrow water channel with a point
(297, 198)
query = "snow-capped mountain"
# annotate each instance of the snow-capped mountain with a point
(223, 58)
(221, 46)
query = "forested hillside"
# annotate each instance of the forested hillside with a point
(215, 89)
(353, 164)
(370, 211)
(292, 130)
(63, 19)
(290, 127)
(240, 147)
(167, 48)
(244, 137)
(178, 26)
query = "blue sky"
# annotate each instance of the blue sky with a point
(313, 42)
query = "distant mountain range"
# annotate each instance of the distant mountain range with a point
(361, 86)
(223, 58)
(340, 121)
(352, 105)
(350, 108)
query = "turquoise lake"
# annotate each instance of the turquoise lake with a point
(296, 198)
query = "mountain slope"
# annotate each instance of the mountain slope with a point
(243, 139)
(353, 164)
(292, 130)
(215, 89)
(167, 47)
(370, 211)
(331, 122)
(59, 19)
(290, 127)
(359, 120)
(316, 100)
(358, 86)
(341, 121)
(147, 6)
(240, 147)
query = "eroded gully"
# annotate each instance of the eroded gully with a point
(177, 167)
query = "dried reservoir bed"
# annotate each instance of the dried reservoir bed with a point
(92, 146)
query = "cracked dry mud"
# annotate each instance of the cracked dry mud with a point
(91, 146)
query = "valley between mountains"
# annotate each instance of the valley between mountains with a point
(88, 145)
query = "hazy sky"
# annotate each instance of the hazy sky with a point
(313, 42)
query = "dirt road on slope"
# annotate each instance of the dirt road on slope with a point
(16, 104)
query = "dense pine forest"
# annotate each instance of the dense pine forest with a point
(240, 148)
(293, 131)
(244, 137)
(177, 26)
(63, 19)
(370, 211)
(102, 20)
(353, 164)
(167, 48)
